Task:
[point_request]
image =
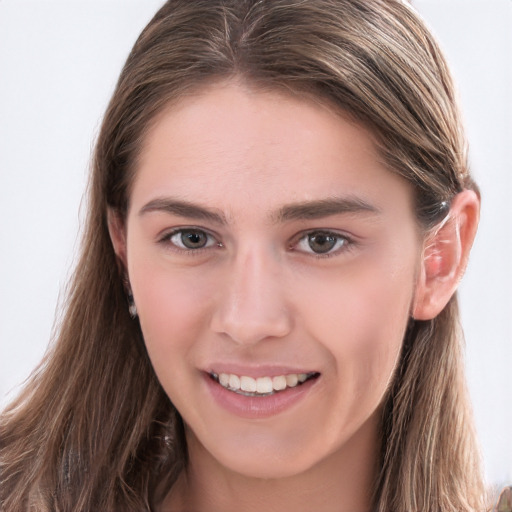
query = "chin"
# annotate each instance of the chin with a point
(266, 469)
(267, 460)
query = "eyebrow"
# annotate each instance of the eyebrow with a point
(183, 209)
(307, 210)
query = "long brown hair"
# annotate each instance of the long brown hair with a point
(93, 429)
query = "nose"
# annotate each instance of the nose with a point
(251, 304)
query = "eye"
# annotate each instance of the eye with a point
(323, 242)
(190, 239)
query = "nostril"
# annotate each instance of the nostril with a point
(244, 325)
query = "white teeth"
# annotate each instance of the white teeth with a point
(248, 384)
(279, 383)
(261, 385)
(264, 385)
(234, 382)
(292, 380)
(224, 379)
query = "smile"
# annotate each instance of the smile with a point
(262, 386)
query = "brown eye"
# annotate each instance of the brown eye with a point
(322, 242)
(190, 239)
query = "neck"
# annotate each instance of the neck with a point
(342, 482)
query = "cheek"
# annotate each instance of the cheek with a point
(172, 306)
(360, 317)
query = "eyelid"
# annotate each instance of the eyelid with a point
(164, 238)
(350, 242)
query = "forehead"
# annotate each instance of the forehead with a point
(232, 146)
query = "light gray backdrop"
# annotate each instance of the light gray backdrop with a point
(59, 61)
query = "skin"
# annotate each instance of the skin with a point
(258, 296)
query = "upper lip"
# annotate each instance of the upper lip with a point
(256, 371)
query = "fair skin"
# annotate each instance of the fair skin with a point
(266, 240)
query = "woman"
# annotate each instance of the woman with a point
(264, 314)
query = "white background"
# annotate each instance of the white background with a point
(59, 61)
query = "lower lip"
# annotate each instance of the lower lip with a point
(254, 407)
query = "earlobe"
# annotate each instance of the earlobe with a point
(445, 256)
(117, 231)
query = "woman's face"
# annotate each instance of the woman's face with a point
(267, 244)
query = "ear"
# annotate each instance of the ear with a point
(117, 231)
(445, 256)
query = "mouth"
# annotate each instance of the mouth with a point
(261, 386)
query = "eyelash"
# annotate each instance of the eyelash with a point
(347, 243)
(166, 240)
